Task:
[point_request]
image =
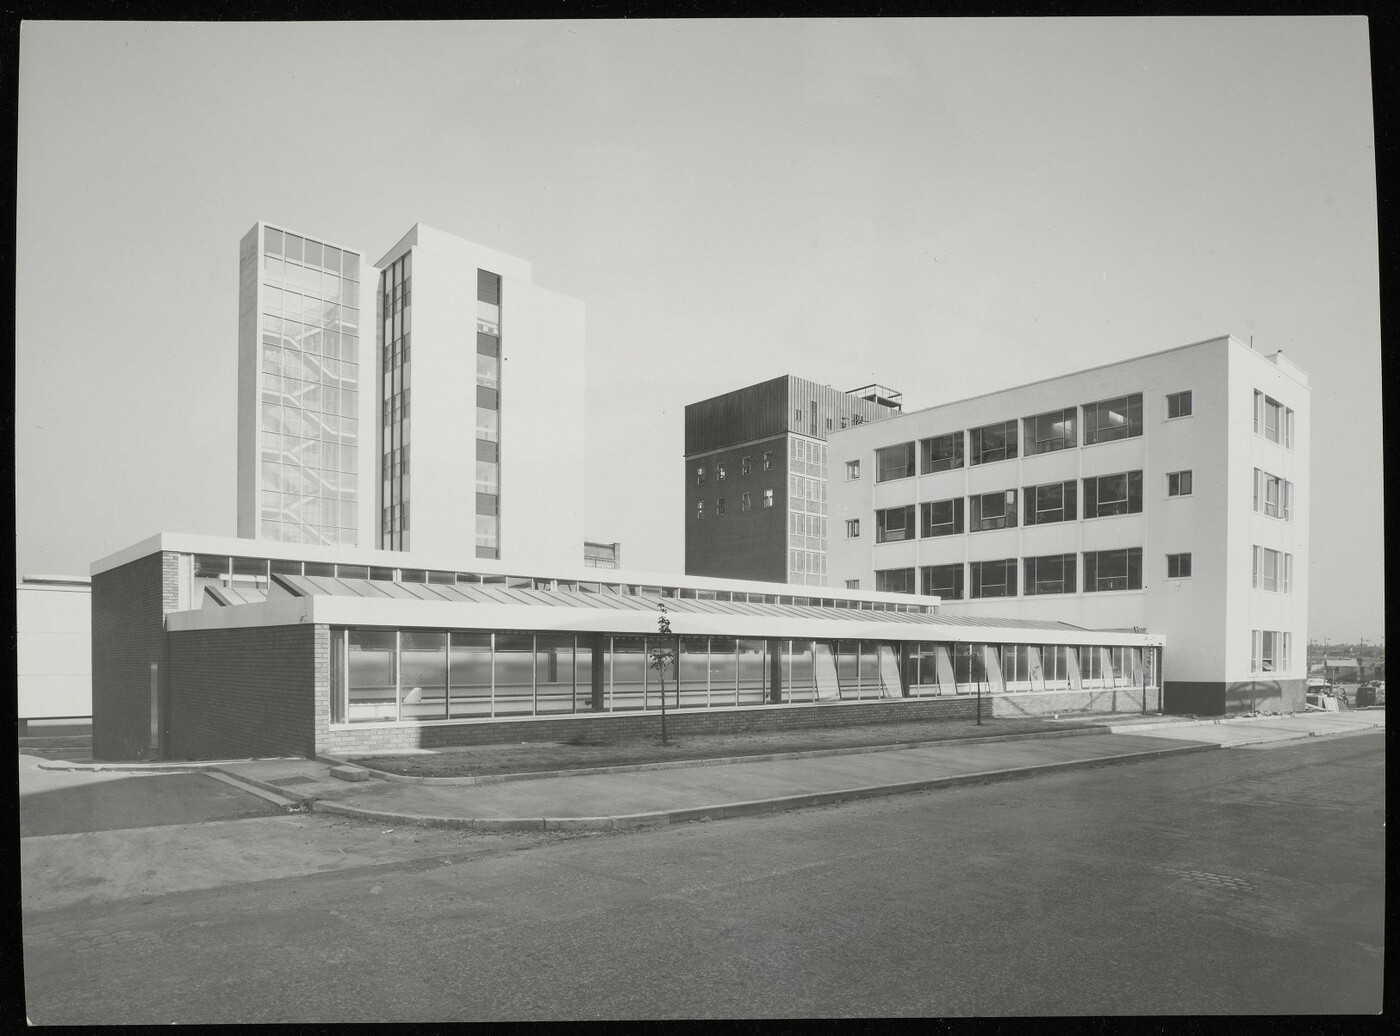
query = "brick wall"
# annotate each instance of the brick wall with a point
(240, 693)
(1107, 700)
(370, 737)
(128, 637)
(742, 544)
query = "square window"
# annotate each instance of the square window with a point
(852, 528)
(1178, 566)
(941, 453)
(1052, 502)
(894, 524)
(1046, 433)
(994, 578)
(1178, 405)
(852, 470)
(1113, 494)
(941, 517)
(993, 511)
(1179, 483)
(1111, 419)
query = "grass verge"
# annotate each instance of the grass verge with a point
(579, 753)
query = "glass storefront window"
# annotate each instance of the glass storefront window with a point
(627, 680)
(693, 672)
(514, 674)
(431, 675)
(797, 672)
(752, 671)
(469, 659)
(583, 674)
(554, 672)
(724, 671)
(422, 675)
(371, 663)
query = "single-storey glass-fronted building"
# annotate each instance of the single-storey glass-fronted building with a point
(210, 647)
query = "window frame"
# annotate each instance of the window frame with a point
(767, 498)
(1068, 582)
(852, 528)
(927, 587)
(746, 501)
(955, 524)
(927, 461)
(1034, 445)
(910, 461)
(978, 453)
(1132, 567)
(977, 584)
(977, 522)
(1182, 563)
(1094, 429)
(1266, 406)
(1132, 480)
(883, 528)
(1069, 503)
(700, 474)
(1177, 398)
(882, 576)
(1182, 477)
(852, 470)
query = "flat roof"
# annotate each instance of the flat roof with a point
(232, 546)
(329, 601)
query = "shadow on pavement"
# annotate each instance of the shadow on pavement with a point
(117, 802)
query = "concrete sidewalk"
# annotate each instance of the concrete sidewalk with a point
(631, 797)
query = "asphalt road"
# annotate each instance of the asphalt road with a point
(1237, 881)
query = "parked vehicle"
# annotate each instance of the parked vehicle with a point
(1370, 694)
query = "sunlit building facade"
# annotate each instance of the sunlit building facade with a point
(374, 405)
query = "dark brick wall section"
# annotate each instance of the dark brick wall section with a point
(241, 693)
(632, 726)
(128, 636)
(1215, 698)
(742, 544)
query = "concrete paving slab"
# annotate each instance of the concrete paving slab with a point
(1231, 733)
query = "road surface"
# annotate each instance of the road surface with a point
(1238, 881)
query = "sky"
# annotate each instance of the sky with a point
(947, 207)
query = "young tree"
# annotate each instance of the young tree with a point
(662, 658)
